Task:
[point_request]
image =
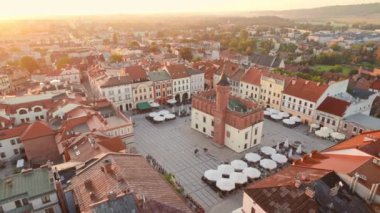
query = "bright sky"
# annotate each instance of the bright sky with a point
(28, 8)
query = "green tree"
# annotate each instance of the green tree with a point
(63, 61)
(116, 58)
(134, 44)
(186, 53)
(29, 63)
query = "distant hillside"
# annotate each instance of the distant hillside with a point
(348, 13)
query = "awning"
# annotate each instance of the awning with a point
(143, 106)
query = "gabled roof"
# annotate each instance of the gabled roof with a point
(13, 132)
(115, 81)
(358, 142)
(129, 171)
(159, 76)
(306, 90)
(177, 71)
(36, 130)
(135, 73)
(33, 183)
(253, 76)
(333, 106)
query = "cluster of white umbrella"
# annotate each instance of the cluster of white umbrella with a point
(161, 115)
(238, 172)
(284, 116)
(326, 132)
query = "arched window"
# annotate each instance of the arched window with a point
(37, 109)
(22, 112)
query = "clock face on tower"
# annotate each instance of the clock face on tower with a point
(217, 120)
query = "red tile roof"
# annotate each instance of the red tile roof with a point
(334, 162)
(304, 89)
(375, 85)
(358, 142)
(253, 76)
(177, 71)
(334, 106)
(13, 132)
(135, 73)
(129, 172)
(36, 130)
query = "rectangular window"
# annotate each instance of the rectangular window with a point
(228, 134)
(15, 151)
(49, 210)
(204, 129)
(204, 119)
(196, 126)
(256, 131)
(2, 155)
(246, 135)
(13, 142)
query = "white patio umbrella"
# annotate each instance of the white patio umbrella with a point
(338, 135)
(276, 116)
(169, 116)
(171, 101)
(290, 154)
(164, 112)
(266, 112)
(226, 169)
(153, 114)
(327, 129)
(289, 121)
(299, 149)
(321, 133)
(154, 104)
(284, 114)
(252, 157)
(212, 175)
(273, 111)
(268, 150)
(239, 164)
(279, 158)
(286, 143)
(295, 119)
(314, 125)
(158, 118)
(252, 172)
(268, 164)
(225, 184)
(239, 178)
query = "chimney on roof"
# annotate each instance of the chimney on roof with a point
(372, 192)
(107, 166)
(293, 81)
(26, 171)
(306, 82)
(88, 184)
(111, 195)
(309, 192)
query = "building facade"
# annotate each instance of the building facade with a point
(230, 121)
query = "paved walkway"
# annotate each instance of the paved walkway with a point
(173, 143)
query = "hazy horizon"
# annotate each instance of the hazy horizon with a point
(45, 8)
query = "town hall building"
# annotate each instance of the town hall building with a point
(230, 121)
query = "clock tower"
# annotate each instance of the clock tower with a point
(222, 96)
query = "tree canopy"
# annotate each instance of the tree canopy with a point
(186, 53)
(29, 63)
